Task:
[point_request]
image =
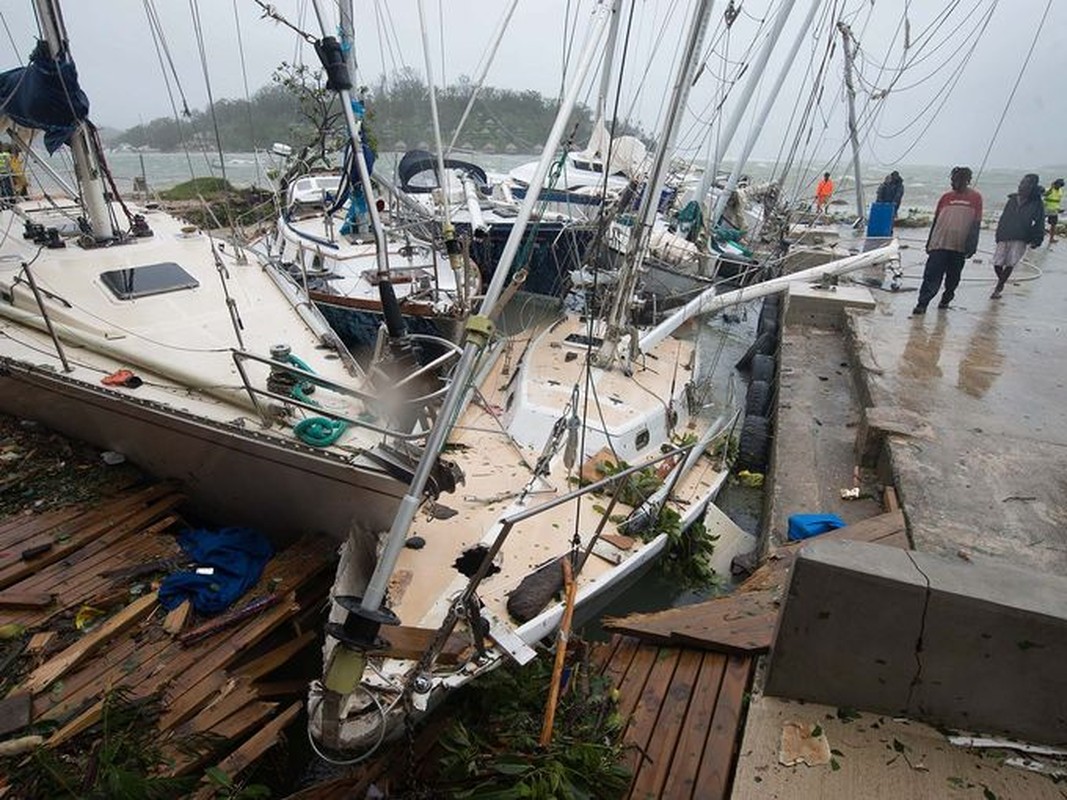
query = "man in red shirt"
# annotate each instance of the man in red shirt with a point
(953, 239)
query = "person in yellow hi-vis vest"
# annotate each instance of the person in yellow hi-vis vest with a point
(7, 187)
(18, 174)
(1053, 198)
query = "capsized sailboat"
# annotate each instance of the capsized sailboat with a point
(123, 327)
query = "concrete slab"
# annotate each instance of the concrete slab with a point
(812, 304)
(873, 757)
(817, 417)
(990, 379)
(954, 642)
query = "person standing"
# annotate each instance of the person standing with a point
(824, 189)
(953, 239)
(1053, 198)
(1021, 223)
(891, 191)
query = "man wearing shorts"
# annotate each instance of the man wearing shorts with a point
(1021, 223)
(1053, 198)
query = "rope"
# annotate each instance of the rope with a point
(315, 431)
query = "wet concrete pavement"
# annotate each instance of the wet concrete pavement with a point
(986, 471)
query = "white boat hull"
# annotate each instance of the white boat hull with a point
(231, 475)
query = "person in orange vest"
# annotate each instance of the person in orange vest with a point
(823, 190)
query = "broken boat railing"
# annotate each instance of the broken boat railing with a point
(464, 602)
(371, 400)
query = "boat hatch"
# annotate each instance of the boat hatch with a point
(582, 341)
(150, 279)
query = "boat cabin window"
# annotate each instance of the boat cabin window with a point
(150, 279)
(642, 439)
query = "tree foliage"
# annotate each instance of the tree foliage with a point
(298, 110)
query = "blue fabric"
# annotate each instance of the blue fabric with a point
(804, 526)
(237, 555)
(45, 95)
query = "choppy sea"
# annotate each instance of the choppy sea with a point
(923, 184)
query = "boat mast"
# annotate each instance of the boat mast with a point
(846, 37)
(479, 329)
(339, 79)
(754, 76)
(452, 248)
(761, 117)
(86, 168)
(618, 318)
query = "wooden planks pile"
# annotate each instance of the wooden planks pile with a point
(212, 676)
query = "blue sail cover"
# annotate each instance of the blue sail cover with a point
(45, 95)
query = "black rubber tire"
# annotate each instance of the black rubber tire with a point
(768, 315)
(753, 448)
(762, 368)
(765, 344)
(758, 399)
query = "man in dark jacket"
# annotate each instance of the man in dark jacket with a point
(891, 191)
(1022, 223)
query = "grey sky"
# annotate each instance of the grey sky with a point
(120, 71)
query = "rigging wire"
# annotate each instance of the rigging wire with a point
(1018, 80)
(194, 9)
(248, 95)
(155, 29)
(10, 38)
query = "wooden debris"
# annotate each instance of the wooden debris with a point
(43, 676)
(14, 713)
(89, 556)
(13, 599)
(268, 736)
(39, 641)
(229, 619)
(176, 617)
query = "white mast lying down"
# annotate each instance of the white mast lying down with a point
(709, 301)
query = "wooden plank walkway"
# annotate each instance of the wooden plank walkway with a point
(683, 708)
(682, 673)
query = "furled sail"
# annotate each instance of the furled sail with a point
(44, 95)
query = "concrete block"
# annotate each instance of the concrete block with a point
(994, 649)
(811, 304)
(974, 644)
(848, 629)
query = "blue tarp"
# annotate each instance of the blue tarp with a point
(804, 526)
(45, 95)
(235, 555)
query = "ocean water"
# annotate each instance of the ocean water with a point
(923, 184)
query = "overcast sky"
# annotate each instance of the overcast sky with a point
(943, 108)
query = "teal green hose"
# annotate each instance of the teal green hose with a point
(315, 431)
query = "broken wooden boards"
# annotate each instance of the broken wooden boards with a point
(109, 558)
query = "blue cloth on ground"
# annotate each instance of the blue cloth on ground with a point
(237, 555)
(804, 526)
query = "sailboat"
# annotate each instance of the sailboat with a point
(582, 441)
(123, 327)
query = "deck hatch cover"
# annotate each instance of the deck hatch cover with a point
(147, 280)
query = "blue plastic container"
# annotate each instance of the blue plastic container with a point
(880, 220)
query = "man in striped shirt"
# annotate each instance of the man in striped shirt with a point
(953, 239)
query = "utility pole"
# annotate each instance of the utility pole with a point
(846, 36)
